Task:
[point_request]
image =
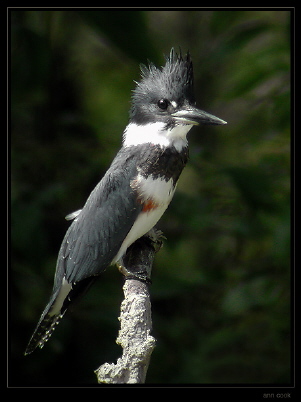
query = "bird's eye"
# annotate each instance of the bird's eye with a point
(163, 104)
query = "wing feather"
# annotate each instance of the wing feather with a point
(95, 236)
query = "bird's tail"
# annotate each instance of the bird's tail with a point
(55, 310)
(43, 331)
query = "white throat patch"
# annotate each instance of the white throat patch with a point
(157, 134)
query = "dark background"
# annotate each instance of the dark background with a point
(221, 283)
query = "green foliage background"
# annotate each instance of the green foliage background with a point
(221, 283)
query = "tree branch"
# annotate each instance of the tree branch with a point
(135, 317)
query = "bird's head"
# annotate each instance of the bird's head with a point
(166, 94)
(163, 103)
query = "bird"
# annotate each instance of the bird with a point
(136, 189)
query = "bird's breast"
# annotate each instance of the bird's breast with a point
(154, 194)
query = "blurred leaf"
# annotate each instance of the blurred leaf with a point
(221, 21)
(250, 294)
(245, 32)
(254, 185)
(125, 29)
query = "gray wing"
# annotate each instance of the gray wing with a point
(97, 232)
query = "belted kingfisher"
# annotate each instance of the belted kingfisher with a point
(135, 191)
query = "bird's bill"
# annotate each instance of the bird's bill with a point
(192, 115)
